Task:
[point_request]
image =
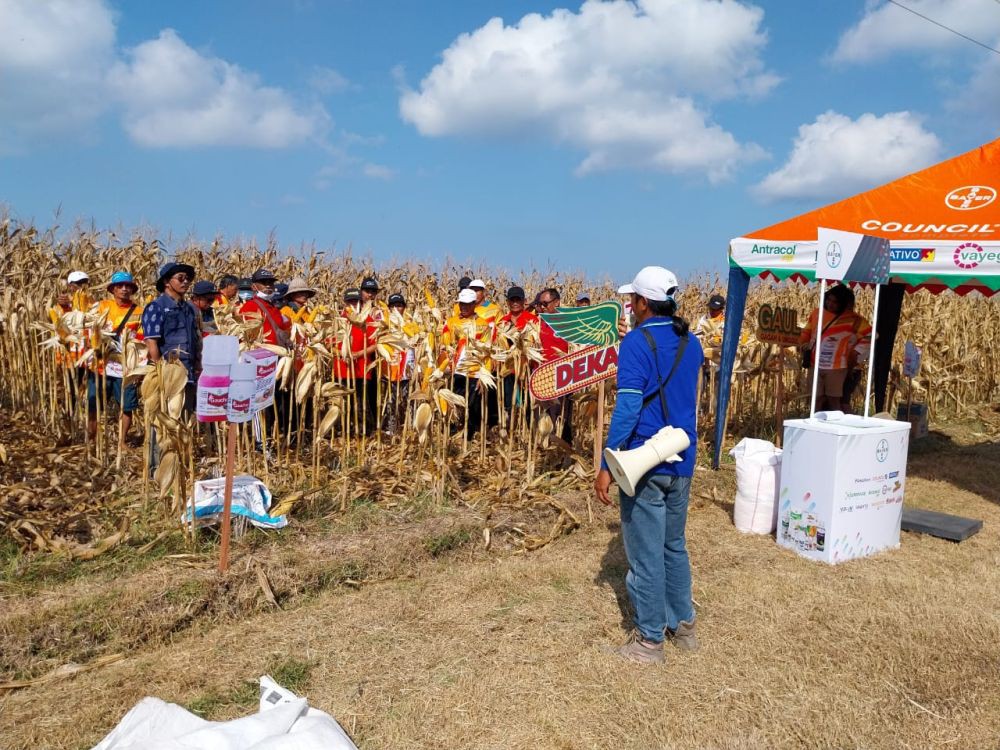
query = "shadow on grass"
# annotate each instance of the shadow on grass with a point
(973, 468)
(612, 572)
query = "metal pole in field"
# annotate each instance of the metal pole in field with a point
(871, 353)
(228, 498)
(819, 341)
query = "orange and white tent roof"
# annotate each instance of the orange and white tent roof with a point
(943, 224)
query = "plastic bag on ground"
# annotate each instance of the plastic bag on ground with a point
(758, 479)
(284, 722)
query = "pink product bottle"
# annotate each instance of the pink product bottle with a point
(213, 397)
(243, 377)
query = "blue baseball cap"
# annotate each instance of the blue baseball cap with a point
(201, 288)
(122, 277)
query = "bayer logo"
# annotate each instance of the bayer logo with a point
(834, 254)
(882, 450)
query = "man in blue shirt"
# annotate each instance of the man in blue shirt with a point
(170, 323)
(653, 520)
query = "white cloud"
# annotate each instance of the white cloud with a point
(52, 63)
(618, 79)
(378, 171)
(980, 96)
(886, 29)
(176, 96)
(328, 81)
(836, 156)
(60, 70)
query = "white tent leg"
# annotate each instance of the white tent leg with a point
(871, 352)
(819, 340)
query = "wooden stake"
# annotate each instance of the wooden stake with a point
(228, 497)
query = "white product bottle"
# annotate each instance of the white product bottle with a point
(242, 377)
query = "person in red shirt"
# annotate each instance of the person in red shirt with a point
(554, 347)
(518, 317)
(356, 368)
(276, 330)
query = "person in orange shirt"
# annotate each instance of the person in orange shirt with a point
(839, 340)
(398, 370)
(518, 317)
(121, 313)
(296, 302)
(229, 289)
(466, 381)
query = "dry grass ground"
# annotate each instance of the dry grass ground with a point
(452, 647)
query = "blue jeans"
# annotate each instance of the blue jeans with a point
(659, 577)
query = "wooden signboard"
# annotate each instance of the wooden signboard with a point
(778, 325)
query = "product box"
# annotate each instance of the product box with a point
(917, 418)
(842, 487)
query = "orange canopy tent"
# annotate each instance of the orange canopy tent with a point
(943, 224)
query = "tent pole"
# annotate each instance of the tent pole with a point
(871, 352)
(819, 341)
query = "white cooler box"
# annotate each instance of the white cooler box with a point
(842, 486)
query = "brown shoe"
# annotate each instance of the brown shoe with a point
(684, 637)
(639, 650)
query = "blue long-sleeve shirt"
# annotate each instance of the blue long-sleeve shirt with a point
(631, 424)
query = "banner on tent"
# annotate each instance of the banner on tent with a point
(849, 256)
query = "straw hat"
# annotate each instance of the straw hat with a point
(297, 285)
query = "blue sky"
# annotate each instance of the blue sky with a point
(600, 136)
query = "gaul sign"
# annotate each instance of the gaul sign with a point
(778, 325)
(574, 371)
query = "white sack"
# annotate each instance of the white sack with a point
(758, 479)
(286, 724)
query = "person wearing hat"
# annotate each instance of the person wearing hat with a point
(275, 327)
(398, 368)
(120, 314)
(354, 367)
(517, 317)
(170, 329)
(485, 308)
(583, 300)
(459, 331)
(296, 302)
(710, 326)
(78, 284)
(244, 290)
(658, 368)
(203, 297)
(369, 295)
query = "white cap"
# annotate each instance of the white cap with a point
(652, 282)
(477, 284)
(76, 276)
(467, 296)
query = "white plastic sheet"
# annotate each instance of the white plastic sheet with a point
(251, 499)
(758, 472)
(284, 722)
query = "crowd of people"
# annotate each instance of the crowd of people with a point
(185, 309)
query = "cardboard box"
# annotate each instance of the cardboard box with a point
(917, 418)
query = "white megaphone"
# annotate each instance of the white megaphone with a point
(628, 467)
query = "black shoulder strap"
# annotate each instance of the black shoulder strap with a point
(121, 326)
(661, 388)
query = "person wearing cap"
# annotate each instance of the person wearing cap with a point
(244, 290)
(120, 314)
(398, 368)
(369, 295)
(519, 318)
(275, 327)
(553, 347)
(78, 284)
(203, 297)
(459, 331)
(658, 368)
(710, 326)
(583, 300)
(170, 326)
(229, 289)
(463, 283)
(354, 367)
(485, 308)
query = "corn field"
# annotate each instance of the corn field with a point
(520, 463)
